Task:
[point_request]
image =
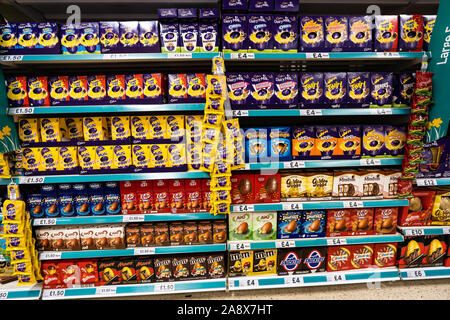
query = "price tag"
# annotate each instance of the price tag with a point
(115, 56)
(353, 204)
(44, 222)
(311, 112)
(285, 244)
(133, 218)
(388, 54)
(11, 58)
(28, 110)
(248, 283)
(380, 111)
(244, 208)
(31, 180)
(179, 55)
(446, 230)
(53, 293)
(164, 287)
(50, 255)
(370, 162)
(333, 278)
(426, 182)
(294, 164)
(414, 232)
(292, 206)
(144, 251)
(242, 55)
(3, 294)
(239, 246)
(336, 241)
(293, 281)
(106, 291)
(317, 55)
(416, 274)
(240, 113)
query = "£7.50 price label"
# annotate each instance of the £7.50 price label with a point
(416, 274)
(238, 246)
(244, 208)
(285, 244)
(164, 287)
(53, 293)
(293, 281)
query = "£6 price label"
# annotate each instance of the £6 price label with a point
(416, 274)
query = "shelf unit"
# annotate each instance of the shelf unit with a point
(320, 112)
(378, 56)
(312, 242)
(313, 279)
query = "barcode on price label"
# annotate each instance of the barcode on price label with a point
(28, 110)
(244, 208)
(242, 55)
(144, 251)
(380, 111)
(353, 204)
(164, 287)
(48, 255)
(248, 283)
(293, 281)
(31, 180)
(336, 241)
(416, 273)
(285, 244)
(240, 113)
(370, 162)
(115, 56)
(176, 55)
(106, 291)
(333, 278)
(311, 112)
(3, 294)
(294, 164)
(292, 206)
(134, 218)
(317, 55)
(11, 58)
(239, 246)
(53, 293)
(44, 222)
(446, 230)
(388, 54)
(426, 182)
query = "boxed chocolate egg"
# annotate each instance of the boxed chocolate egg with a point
(285, 33)
(289, 224)
(260, 33)
(361, 221)
(264, 225)
(385, 220)
(336, 33)
(240, 263)
(234, 33)
(338, 222)
(312, 89)
(428, 25)
(339, 258)
(267, 188)
(311, 35)
(180, 267)
(240, 226)
(386, 33)
(411, 32)
(289, 261)
(264, 262)
(313, 223)
(359, 34)
(385, 255)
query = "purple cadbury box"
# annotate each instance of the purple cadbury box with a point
(262, 89)
(149, 36)
(311, 34)
(312, 93)
(336, 33)
(359, 34)
(26, 37)
(373, 141)
(234, 32)
(348, 133)
(403, 89)
(286, 5)
(235, 4)
(260, 32)
(109, 37)
(382, 89)
(335, 84)
(129, 36)
(286, 90)
(208, 30)
(302, 141)
(238, 89)
(285, 33)
(358, 88)
(261, 5)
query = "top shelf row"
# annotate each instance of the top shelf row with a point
(8, 60)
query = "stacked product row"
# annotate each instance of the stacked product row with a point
(312, 223)
(320, 90)
(131, 270)
(314, 185)
(424, 251)
(150, 88)
(311, 260)
(189, 30)
(121, 236)
(275, 144)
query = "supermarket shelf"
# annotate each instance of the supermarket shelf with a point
(430, 182)
(57, 255)
(60, 221)
(424, 230)
(326, 56)
(102, 58)
(105, 177)
(11, 291)
(136, 290)
(312, 242)
(321, 112)
(107, 108)
(314, 279)
(309, 205)
(425, 273)
(300, 164)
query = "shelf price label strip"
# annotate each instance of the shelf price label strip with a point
(425, 273)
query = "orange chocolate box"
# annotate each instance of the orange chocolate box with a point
(339, 258)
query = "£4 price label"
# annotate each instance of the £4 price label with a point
(240, 113)
(336, 241)
(317, 55)
(353, 204)
(292, 206)
(248, 283)
(294, 164)
(244, 208)
(242, 55)
(293, 281)
(239, 246)
(334, 278)
(285, 244)
(370, 162)
(311, 112)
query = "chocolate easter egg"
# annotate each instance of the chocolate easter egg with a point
(245, 186)
(291, 227)
(340, 225)
(314, 226)
(387, 223)
(242, 228)
(84, 207)
(271, 185)
(363, 224)
(266, 228)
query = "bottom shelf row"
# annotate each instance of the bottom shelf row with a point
(372, 275)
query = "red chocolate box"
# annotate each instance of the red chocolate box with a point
(411, 252)
(419, 210)
(145, 196)
(50, 273)
(339, 258)
(385, 220)
(362, 256)
(267, 188)
(361, 221)
(243, 188)
(128, 192)
(385, 255)
(435, 251)
(206, 195)
(88, 272)
(339, 222)
(161, 196)
(69, 274)
(193, 191)
(177, 196)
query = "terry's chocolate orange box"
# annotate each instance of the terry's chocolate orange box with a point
(339, 258)
(385, 255)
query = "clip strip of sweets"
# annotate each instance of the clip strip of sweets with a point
(234, 138)
(221, 180)
(5, 172)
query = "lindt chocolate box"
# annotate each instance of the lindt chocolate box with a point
(261, 5)
(359, 34)
(336, 33)
(386, 33)
(234, 33)
(382, 89)
(286, 90)
(411, 32)
(358, 88)
(260, 34)
(311, 34)
(335, 85)
(285, 33)
(238, 89)
(312, 89)
(286, 5)
(267, 188)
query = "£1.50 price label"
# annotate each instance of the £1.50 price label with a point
(53, 293)
(164, 287)
(27, 110)
(44, 222)
(31, 180)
